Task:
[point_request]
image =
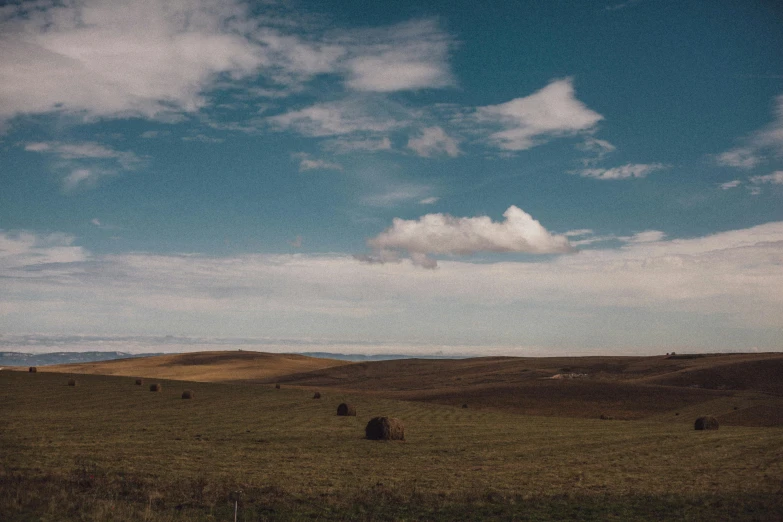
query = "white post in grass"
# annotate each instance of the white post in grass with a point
(235, 510)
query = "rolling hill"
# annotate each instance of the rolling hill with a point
(203, 366)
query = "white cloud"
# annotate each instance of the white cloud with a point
(335, 119)
(759, 145)
(98, 59)
(730, 184)
(21, 251)
(86, 150)
(308, 163)
(444, 234)
(85, 163)
(346, 145)
(624, 172)
(550, 112)
(429, 201)
(390, 194)
(721, 291)
(159, 59)
(434, 141)
(776, 178)
(743, 158)
(598, 148)
(408, 56)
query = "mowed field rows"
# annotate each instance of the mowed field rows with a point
(108, 449)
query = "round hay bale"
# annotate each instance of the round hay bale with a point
(187, 394)
(139, 382)
(346, 410)
(155, 387)
(277, 386)
(317, 395)
(385, 428)
(706, 423)
(71, 382)
(33, 369)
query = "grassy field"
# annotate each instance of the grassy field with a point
(110, 450)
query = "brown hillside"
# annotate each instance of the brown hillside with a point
(204, 366)
(616, 387)
(764, 375)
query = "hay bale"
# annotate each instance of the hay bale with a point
(32, 369)
(155, 387)
(71, 382)
(385, 428)
(277, 386)
(706, 423)
(187, 394)
(317, 395)
(139, 382)
(346, 410)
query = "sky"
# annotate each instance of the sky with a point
(451, 177)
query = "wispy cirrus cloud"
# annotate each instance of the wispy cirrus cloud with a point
(776, 178)
(307, 162)
(759, 145)
(84, 164)
(629, 171)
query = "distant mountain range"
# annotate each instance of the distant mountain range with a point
(46, 359)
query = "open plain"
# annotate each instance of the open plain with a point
(488, 438)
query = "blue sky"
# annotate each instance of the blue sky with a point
(525, 178)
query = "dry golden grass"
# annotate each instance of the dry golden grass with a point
(203, 366)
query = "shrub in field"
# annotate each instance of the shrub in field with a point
(187, 394)
(155, 387)
(32, 369)
(465, 405)
(604, 416)
(385, 428)
(317, 395)
(71, 382)
(277, 386)
(139, 382)
(346, 410)
(706, 423)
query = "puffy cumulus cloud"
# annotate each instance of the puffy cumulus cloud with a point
(434, 141)
(409, 56)
(444, 234)
(526, 122)
(758, 145)
(722, 291)
(629, 171)
(101, 59)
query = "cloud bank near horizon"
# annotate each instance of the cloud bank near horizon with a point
(728, 283)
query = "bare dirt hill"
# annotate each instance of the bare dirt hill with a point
(204, 366)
